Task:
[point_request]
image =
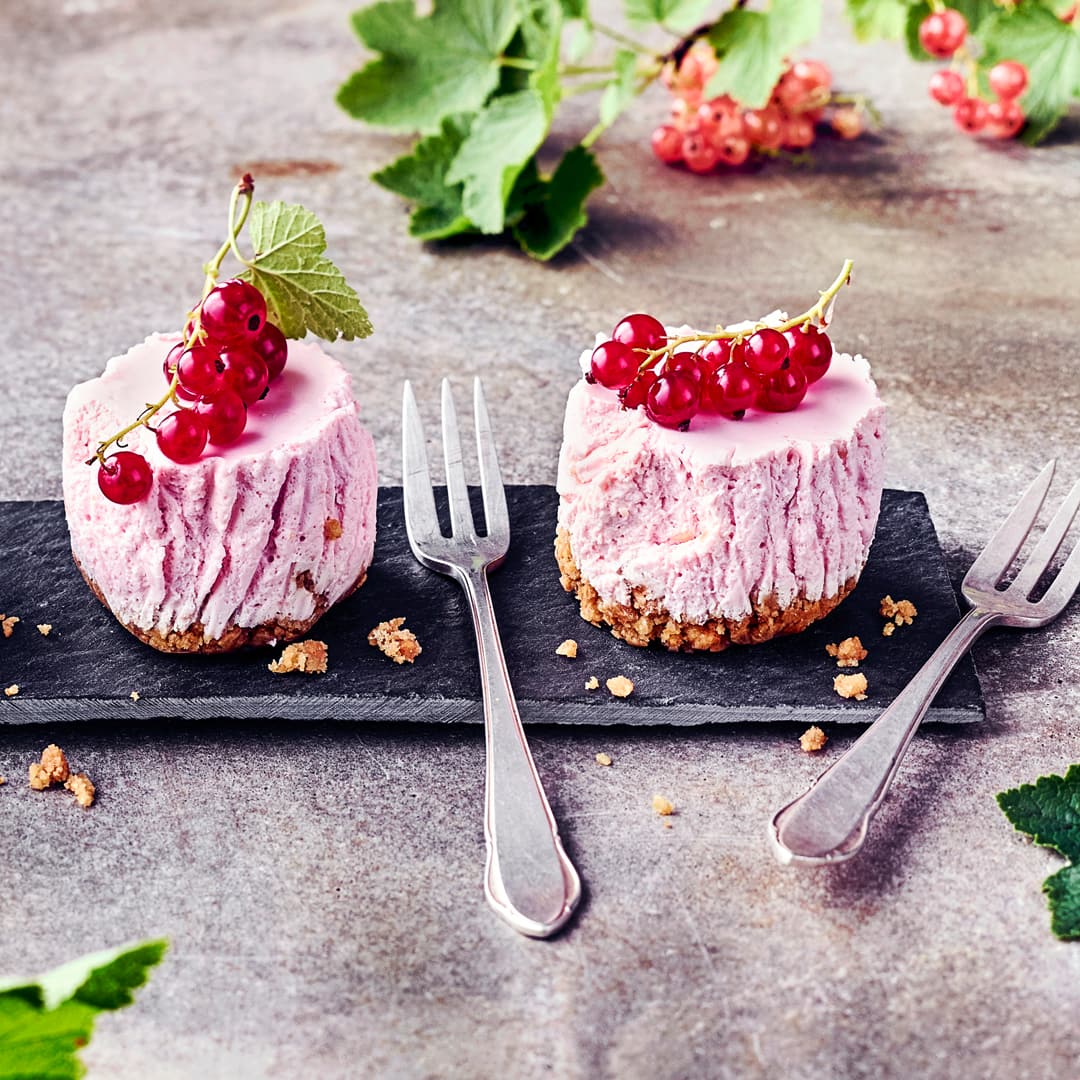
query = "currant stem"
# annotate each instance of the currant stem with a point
(622, 39)
(811, 315)
(152, 409)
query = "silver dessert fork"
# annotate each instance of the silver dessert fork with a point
(529, 880)
(828, 822)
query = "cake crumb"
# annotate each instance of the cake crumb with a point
(44, 628)
(567, 648)
(82, 787)
(813, 739)
(620, 686)
(851, 686)
(663, 806)
(51, 769)
(603, 759)
(393, 640)
(11, 690)
(2, 780)
(888, 629)
(332, 529)
(900, 611)
(7, 622)
(592, 683)
(135, 695)
(848, 653)
(308, 657)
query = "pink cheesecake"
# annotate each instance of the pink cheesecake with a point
(253, 542)
(730, 532)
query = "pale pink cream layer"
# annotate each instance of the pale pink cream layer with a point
(730, 512)
(226, 540)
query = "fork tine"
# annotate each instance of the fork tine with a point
(1048, 545)
(1062, 588)
(993, 561)
(496, 515)
(421, 518)
(457, 492)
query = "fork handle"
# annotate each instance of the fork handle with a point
(828, 822)
(528, 880)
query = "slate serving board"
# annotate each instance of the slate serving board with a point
(88, 666)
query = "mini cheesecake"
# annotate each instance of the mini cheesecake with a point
(732, 532)
(250, 544)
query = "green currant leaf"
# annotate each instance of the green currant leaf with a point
(1063, 898)
(541, 34)
(556, 207)
(1049, 49)
(620, 91)
(675, 14)
(874, 20)
(44, 1021)
(304, 290)
(504, 136)
(420, 177)
(430, 67)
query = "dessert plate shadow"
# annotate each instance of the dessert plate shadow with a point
(88, 666)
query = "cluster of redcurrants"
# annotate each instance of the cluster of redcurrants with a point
(220, 370)
(706, 132)
(766, 369)
(942, 34)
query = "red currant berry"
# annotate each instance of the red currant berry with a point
(181, 436)
(667, 144)
(640, 332)
(672, 401)
(614, 364)
(811, 350)
(273, 347)
(201, 371)
(1004, 119)
(716, 353)
(782, 390)
(125, 478)
(688, 364)
(733, 151)
(633, 396)
(798, 132)
(699, 154)
(946, 87)
(1008, 79)
(225, 417)
(791, 92)
(813, 74)
(233, 310)
(732, 390)
(764, 351)
(941, 33)
(764, 128)
(168, 369)
(847, 122)
(970, 115)
(245, 372)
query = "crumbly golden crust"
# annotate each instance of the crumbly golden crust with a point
(645, 619)
(191, 640)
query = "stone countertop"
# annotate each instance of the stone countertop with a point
(321, 884)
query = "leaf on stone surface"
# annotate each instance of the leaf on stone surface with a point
(504, 136)
(753, 46)
(541, 35)
(676, 14)
(874, 20)
(420, 177)
(44, 1021)
(1049, 812)
(431, 66)
(304, 290)
(1050, 49)
(620, 91)
(555, 208)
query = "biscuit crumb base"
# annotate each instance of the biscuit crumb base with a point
(663, 806)
(620, 686)
(332, 529)
(603, 759)
(901, 612)
(11, 690)
(813, 739)
(44, 628)
(645, 619)
(848, 653)
(393, 640)
(7, 623)
(567, 648)
(308, 657)
(592, 683)
(851, 686)
(82, 787)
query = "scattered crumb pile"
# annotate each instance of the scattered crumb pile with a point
(7, 624)
(848, 653)
(44, 628)
(603, 759)
(592, 683)
(53, 768)
(332, 529)
(851, 686)
(308, 657)
(134, 695)
(898, 612)
(812, 739)
(663, 805)
(567, 648)
(620, 686)
(392, 639)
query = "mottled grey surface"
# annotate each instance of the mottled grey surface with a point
(322, 886)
